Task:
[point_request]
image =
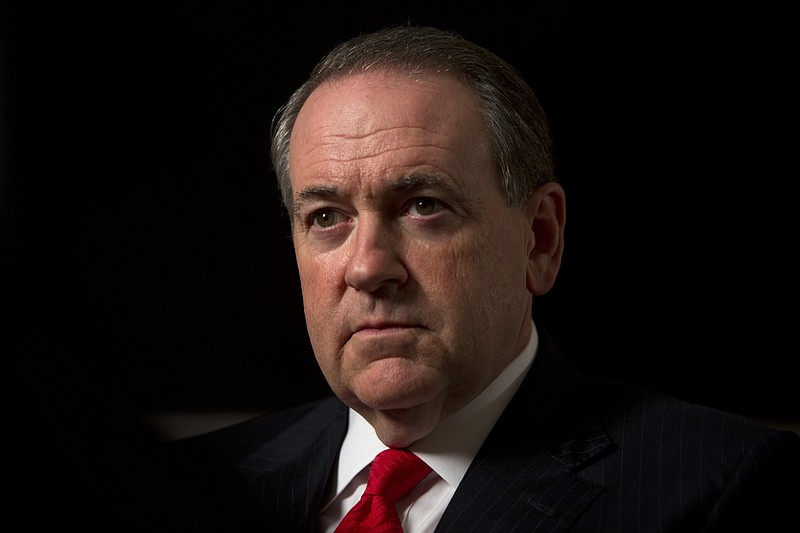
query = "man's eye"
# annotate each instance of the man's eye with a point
(325, 219)
(424, 206)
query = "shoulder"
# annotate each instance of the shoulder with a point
(708, 465)
(630, 410)
(198, 475)
(229, 444)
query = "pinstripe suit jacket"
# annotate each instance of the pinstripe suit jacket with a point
(568, 454)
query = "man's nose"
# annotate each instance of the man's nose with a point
(375, 261)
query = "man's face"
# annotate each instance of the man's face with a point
(412, 267)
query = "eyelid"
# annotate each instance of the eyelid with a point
(310, 220)
(312, 199)
(439, 205)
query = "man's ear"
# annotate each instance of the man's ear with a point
(546, 210)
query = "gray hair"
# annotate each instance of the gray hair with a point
(517, 125)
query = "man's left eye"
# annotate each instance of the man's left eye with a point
(424, 206)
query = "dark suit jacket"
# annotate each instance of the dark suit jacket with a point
(569, 453)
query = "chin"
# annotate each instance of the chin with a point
(399, 384)
(399, 428)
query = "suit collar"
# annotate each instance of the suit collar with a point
(546, 435)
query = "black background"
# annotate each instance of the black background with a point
(147, 263)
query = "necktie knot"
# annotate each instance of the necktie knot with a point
(394, 472)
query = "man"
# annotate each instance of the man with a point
(426, 218)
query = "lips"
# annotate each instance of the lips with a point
(382, 327)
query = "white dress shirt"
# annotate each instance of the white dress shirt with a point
(448, 450)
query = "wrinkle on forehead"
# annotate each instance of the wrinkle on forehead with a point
(380, 130)
(329, 143)
(339, 152)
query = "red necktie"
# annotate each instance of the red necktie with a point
(393, 474)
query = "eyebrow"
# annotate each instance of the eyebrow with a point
(312, 193)
(420, 181)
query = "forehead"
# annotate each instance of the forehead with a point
(380, 95)
(382, 119)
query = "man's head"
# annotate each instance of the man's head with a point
(418, 253)
(517, 125)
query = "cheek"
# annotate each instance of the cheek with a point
(454, 279)
(319, 285)
(323, 289)
(318, 309)
(484, 275)
(469, 262)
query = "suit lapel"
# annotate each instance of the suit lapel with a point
(525, 477)
(287, 476)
